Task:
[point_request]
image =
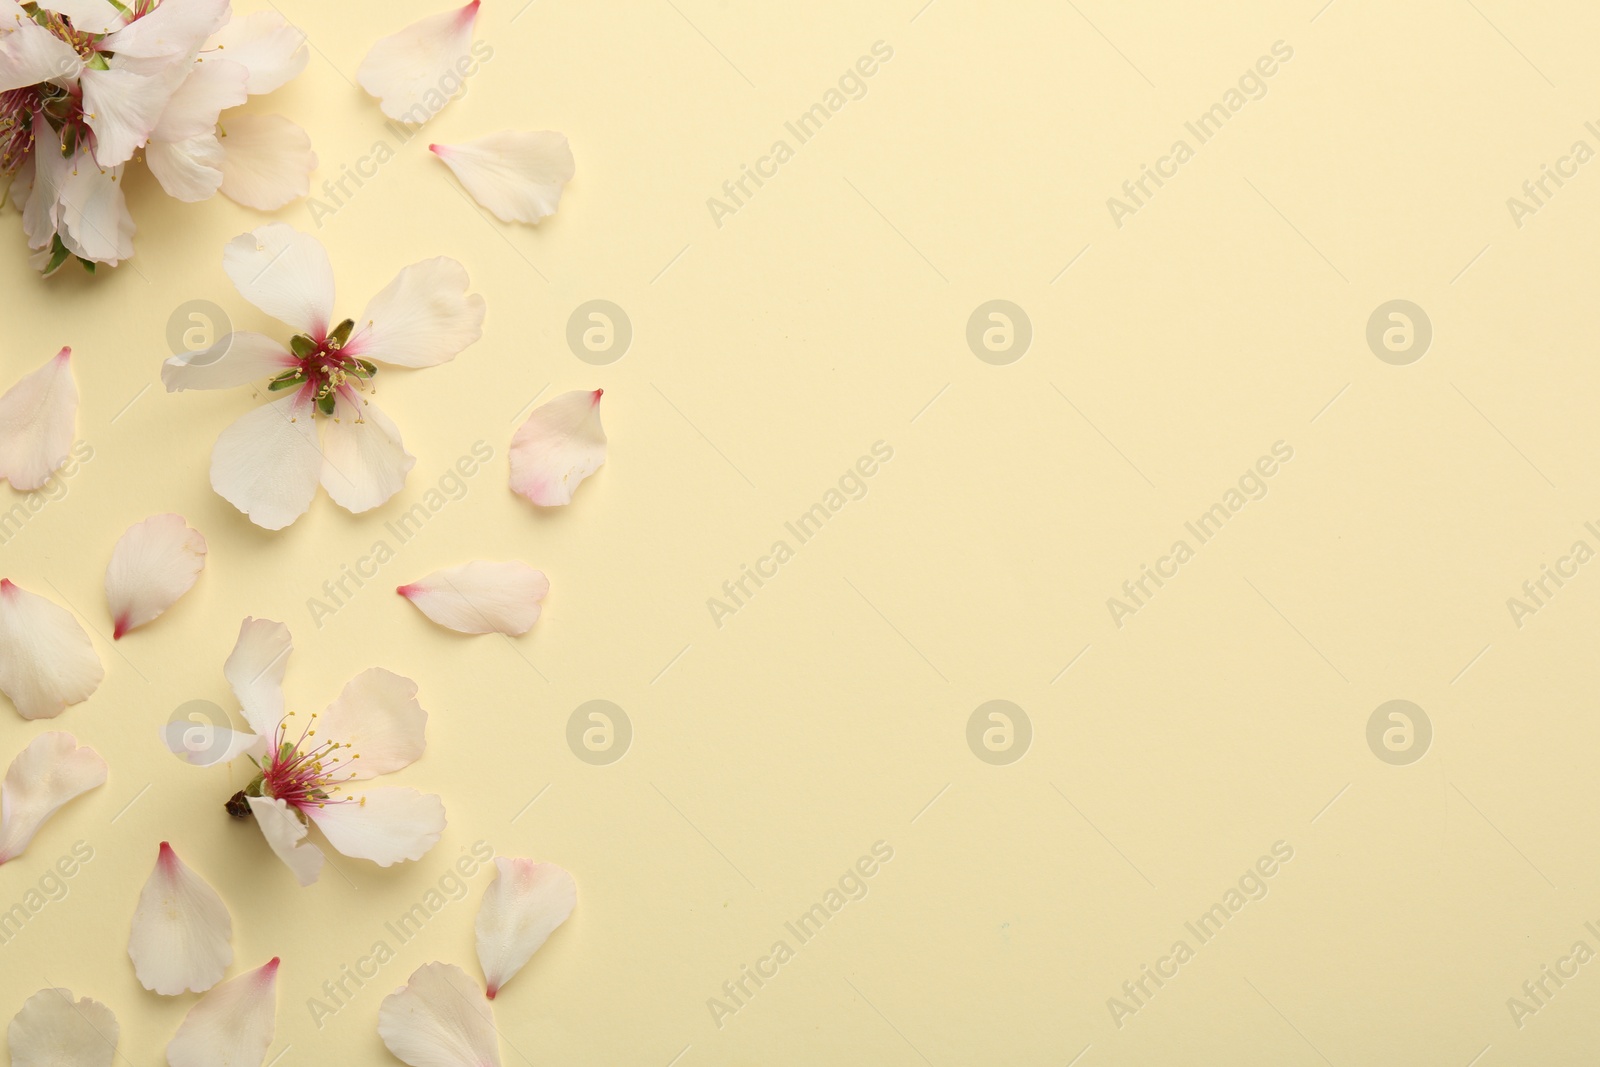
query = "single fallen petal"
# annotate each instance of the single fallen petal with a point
(438, 1020)
(46, 660)
(560, 445)
(413, 72)
(52, 770)
(386, 826)
(37, 417)
(231, 1026)
(266, 161)
(422, 318)
(255, 670)
(516, 174)
(481, 597)
(154, 563)
(522, 906)
(266, 464)
(235, 359)
(377, 715)
(54, 1030)
(285, 273)
(364, 462)
(285, 835)
(181, 930)
(265, 44)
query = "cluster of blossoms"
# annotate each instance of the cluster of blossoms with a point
(87, 86)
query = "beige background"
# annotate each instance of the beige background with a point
(830, 713)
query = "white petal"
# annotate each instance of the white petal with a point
(285, 835)
(90, 16)
(365, 462)
(285, 273)
(378, 716)
(93, 219)
(266, 45)
(172, 29)
(29, 53)
(52, 770)
(255, 670)
(236, 359)
(181, 930)
(266, 464)
(524, 903)
(422, 318)
(410, 72)
(231, 1026)
(266, 161)
(516, 174)
(481, 597)
(202, 743)
(153, 564)
(122, 107)
(560, 445)
(53, 1030)
(41, 213)
(22, 184)
(385, 826)
(46, 660)
(438, 1019)
(211, 86)
(188, 170)
(37, 417)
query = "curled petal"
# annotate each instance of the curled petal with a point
(438, 1020)
(522, 906)
(560, 445)
(123, 107)
(266, 464)
(285, 835)
(231, 1026)
(52, 770)
(46, 660)
(413, 72)
(41, 212)
(37, 416)
(364, 461)
(285, 273)
(255, 670)
(516, 174)
(422, 318)
(155, 562)
(189, 170)
(210, 87)
(385, 826)
(266, 161)
(29, 53)
(481, 597)
(236, 359)
(93, 220)
(181, 930)
(378, 716)
(54, 1030)
(266, 45)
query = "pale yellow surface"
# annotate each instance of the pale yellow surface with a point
(769, 354)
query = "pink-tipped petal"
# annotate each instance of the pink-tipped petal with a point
(266, 464)
(153, 564)
(266, 161)
(255, 670)
(46, 660)
(37, 417)
(285, 273)
(516, 174)
(422, 318)
(51, 771)
(181, 930)
(386, 826)
(413, 73)
(521, 908)
(481, 597)
(378, 716)
(55, 1030)
(232, 1025)
(560, 445)
(285, 835)
(438, 1019)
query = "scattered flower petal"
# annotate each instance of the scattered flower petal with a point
(285, 834)
(364, 461)
(266, 161)
(154, 563)
(522, 906)
(481, 597)
(560, 445)
(267, 463)
(410, 71)
(516, 174)
(422, 318)
(386, 826)
(52, 770)
(54, 1030)
(37, 417)
(285, 273)
(46, 660)
(231, 1026)
(438, 1020)
(181, 930)
(378, 717)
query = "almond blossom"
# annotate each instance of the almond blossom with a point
(307, 764)
(268, 464)
(86, 85)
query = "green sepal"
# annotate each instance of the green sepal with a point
(287, 380)
(325, 403)
(302, 345)
(88, 264)
(58, 256)
(341, 333)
